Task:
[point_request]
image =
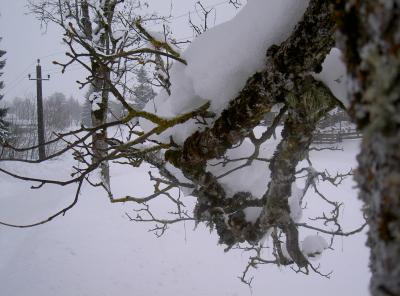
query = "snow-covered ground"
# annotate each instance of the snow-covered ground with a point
(95, 250)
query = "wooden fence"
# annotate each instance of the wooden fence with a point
(333, 137)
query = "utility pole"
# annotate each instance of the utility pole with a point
(40, 121)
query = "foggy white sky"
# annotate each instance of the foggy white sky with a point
(25, 41)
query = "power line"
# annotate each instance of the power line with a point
(188, 13)
(193, 11)
(15, 82)
(57, 70)
(52, 54)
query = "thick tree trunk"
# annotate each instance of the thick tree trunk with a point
(370, 38)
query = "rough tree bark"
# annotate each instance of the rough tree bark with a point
(287, 80)
(370, 38)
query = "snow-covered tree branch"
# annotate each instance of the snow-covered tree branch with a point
(203, 131)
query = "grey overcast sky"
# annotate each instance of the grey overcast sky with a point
(25, 41)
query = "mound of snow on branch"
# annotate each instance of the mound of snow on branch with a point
(222, 59)
(313, 246)
(294, 202)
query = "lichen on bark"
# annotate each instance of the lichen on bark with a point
(372, 53)
(286, 79)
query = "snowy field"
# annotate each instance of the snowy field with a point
(95, 250)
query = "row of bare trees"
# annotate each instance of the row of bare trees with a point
(59, 111)
(59, 115)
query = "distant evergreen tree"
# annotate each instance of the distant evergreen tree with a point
(75, 110)
(115, 110)
(143, 92)
(56, 110)
(3, 111)
(86, 117)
